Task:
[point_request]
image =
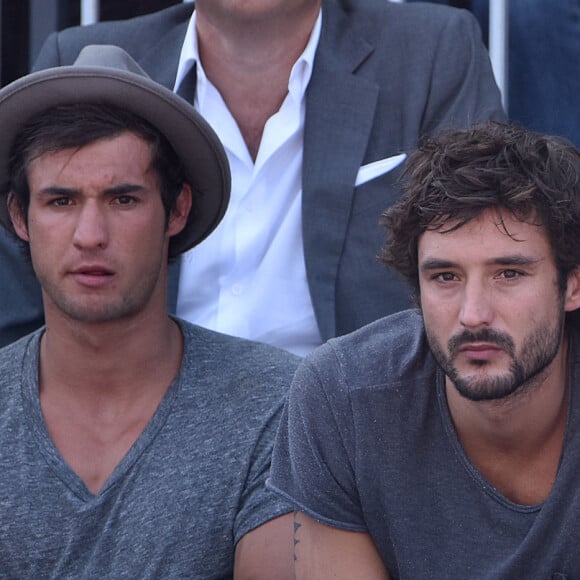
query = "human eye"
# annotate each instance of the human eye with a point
(444, 277)
(60, 201)
(511, 274)
(125, 200)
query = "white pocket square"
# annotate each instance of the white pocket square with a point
(378, 168)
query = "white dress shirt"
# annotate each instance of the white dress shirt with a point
(248, 278)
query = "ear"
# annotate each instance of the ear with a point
(572, 301)
(18, 218)
(178, 217)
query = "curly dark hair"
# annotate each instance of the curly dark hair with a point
(452, 178)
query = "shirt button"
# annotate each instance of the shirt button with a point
(237, 289)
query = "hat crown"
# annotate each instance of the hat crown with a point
(107, 55)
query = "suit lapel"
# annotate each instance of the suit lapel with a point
(161, 60)
(339, 116)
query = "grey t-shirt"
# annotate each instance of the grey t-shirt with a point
(367, 444)
(189, 488)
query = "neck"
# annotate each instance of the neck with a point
(249, 60)
(120, 360)
(247, 38)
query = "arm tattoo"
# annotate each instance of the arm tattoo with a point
(297, 526)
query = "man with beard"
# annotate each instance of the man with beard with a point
(132, 444)
(444, 442)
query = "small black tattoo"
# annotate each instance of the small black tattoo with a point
(297, 526)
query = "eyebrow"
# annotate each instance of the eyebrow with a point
(513, 260)
(121, 189)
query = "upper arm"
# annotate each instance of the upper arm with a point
(266, 552)
(313, 464)
(323, 552)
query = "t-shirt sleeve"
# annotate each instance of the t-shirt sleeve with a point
(258, 504)
(313, 461)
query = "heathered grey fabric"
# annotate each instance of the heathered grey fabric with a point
(367, 444)
(190, 487)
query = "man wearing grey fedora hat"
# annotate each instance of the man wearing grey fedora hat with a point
(132, 444)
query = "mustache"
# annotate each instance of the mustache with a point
(488, 335)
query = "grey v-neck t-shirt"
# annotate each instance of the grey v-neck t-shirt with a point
(186, 492)
(367, 444)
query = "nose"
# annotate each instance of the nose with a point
(91, 229)
(477, 307)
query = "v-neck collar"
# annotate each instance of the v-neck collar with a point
(47, 448)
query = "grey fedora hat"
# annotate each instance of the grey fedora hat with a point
(104, 74)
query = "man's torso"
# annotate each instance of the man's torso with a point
(396, 468)
(181, 497)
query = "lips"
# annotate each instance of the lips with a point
(93, 275)
(478, 347)
(486, 340)
(480, 351)
(94, 270)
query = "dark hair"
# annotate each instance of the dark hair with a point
(78, 125)
(451, 179)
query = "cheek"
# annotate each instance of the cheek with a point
(51, 237)
(432, 316)
(439, 316)
(437, 305)
(43, 238)
(144, 241)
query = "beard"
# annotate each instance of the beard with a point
(537, 352)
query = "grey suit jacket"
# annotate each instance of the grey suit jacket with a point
(384, 74)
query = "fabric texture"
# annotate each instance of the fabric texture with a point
(384, 74)
(185, 493)
(367, 444)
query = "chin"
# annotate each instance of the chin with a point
(488, 388)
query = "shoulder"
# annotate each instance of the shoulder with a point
(390, 352)
(412, 36)
(401, 19)
(18, 348)
(141, 25)
(134, 35)
(236, 363)
(14, 357)
(436, 54)
(230, 350)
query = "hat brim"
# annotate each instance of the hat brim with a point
(201, 153)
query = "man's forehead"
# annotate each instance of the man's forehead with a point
(127, 141)
(493, 228)
(122, 156)
(504, 220)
